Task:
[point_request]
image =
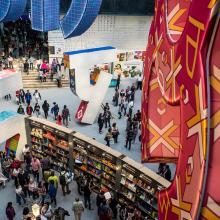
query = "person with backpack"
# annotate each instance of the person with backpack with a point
(37, 109)
(29, 110)
(65, 115)
(52, 192)
(78, 209)
(20, 110)
(63, 178)
(10, 211)
(54, 178)
(46, 108)
(55, 110)
(115, 132)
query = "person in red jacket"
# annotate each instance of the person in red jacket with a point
(18, 97)
(29, 110)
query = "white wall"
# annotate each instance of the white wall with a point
(122, 32)
(11, 127)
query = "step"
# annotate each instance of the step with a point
(44, 86)
(38, 81)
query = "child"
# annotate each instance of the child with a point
(59, 120)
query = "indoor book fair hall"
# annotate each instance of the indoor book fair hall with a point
(109, 109)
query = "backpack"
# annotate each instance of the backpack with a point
(62, 179)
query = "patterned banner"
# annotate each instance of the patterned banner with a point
(181, 105)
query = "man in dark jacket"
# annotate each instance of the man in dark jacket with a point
(129, 137)
(87, 194)
(23, 180)
(46, 108)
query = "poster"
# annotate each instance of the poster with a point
(72, 81)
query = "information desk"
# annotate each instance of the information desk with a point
(131, 182)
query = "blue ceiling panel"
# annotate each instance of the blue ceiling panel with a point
(91, 12)
(73, 17)
(45, 15)
(11, 10)
(80, 17)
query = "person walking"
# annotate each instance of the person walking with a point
(45, 164)
(87, 195)
(119, 111)
(18, 97)
(46, 108)
(42, 191)
(54, 178)
(78, 209)
(19, 194)
(107, 117)
(139, 81)
(108, 137)
(37, 96)
(52, 192)
(130, 108)
(100, 122)
(64, 182)
(29, 110)
(115, 132)
(28, 97)
(23, 180)
(36, 166)
(22, 95)
(118, 81)
(37, 109)
(129, 138)
(116, 97)
(65, 115)
(59, 120)
(135, 130)
(10, 211)
(104, 211)
(55, 110)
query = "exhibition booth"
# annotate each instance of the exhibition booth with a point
(111, 171)
(10, 77)
(82, 69)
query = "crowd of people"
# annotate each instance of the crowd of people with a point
(19, 40)
(35, 182)
(124, 102)
(26, 98)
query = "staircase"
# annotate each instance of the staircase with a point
(32, 81)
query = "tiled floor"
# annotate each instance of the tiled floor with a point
(62, 97)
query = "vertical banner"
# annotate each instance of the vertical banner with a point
(72, 81)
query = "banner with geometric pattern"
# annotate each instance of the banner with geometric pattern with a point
(182, 81)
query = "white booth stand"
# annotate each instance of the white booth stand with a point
(10, 82)
(80, 62)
